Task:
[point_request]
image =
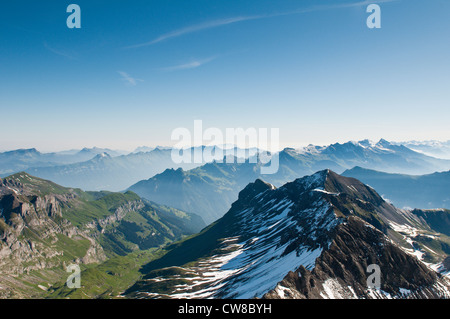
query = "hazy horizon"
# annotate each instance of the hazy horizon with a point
(130, 150)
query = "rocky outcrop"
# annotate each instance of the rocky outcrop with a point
(116, 216)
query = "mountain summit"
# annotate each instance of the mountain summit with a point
(324, 227)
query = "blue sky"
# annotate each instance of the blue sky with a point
(136, 70)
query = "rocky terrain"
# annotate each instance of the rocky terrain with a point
(341, 271)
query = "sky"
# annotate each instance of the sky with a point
(137, 70)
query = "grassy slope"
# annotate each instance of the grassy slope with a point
(106, 280)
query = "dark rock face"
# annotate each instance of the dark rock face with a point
(438, 219)
(9, 204)
(446, 263)
(253, 189)
(343, 269)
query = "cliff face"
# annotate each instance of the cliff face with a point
(34, 236)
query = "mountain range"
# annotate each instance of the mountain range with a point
(105, 172)
(104, 169)
(314, 237)
(382, 155)
(437, 149)
(19, 160)
(210, 189)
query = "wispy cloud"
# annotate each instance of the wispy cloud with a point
(62, 53)
(129, 80)
(339, 6)
(232, 20)
(195, 28)
(190, 65)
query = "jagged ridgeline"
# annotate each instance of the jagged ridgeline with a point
(311, 238)
(44, 227)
